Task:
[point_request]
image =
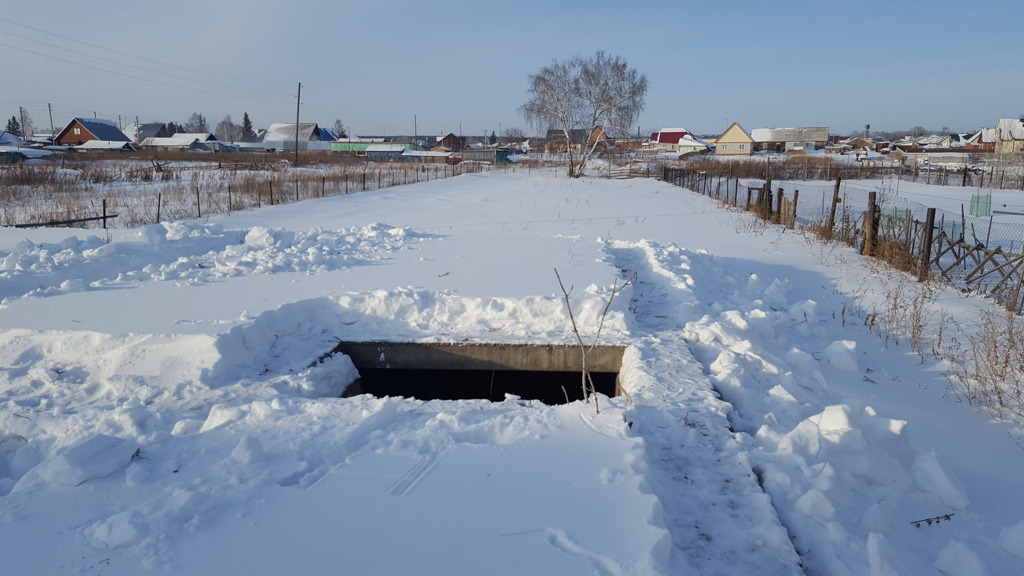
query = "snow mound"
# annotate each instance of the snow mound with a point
(95, 457)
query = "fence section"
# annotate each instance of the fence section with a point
(970, 253)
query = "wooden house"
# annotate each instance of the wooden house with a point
(82, 130)
(735, 141)
(452, 142)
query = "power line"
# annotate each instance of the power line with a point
(133, 77)
(280, 84)
(136, 67)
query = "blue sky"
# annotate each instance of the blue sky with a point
(387, 67)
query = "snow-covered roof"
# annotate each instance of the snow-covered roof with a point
(809, 134)
(386, 147)
(1010, 129)
(423, 153)
(692, 141)
(308, 131)
(28, 153)
(983, 136)
(8, 139)
(357, 139)
(180, 139)
(105, 145)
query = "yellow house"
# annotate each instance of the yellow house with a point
(735, 141)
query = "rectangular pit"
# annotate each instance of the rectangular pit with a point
(462, 370)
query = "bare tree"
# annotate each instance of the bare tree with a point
(227, 131)
(196, 123)
(513, 135)
(589, 390)
(576, 96)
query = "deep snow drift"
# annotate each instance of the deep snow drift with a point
(163, 411)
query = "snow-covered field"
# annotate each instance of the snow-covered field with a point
(162, 411)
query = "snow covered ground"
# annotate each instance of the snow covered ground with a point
(162, 411)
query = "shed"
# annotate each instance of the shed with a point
(385, 151)
(489, 155)
(356, 146)
(784, 139)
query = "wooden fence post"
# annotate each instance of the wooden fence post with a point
(792, 221)
(778, 208)
(199, 208)
(926, 246)
(159, 201)
(870, 226)
(104, 213)
(229, 198)
(832, 212)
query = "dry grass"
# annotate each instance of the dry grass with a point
(142, 188)
(987, 368)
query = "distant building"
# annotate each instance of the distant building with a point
(196, 142)
(786, 139)
(554, 142)
(355, 146)
(281, 137)
(82, 130)
(452, 142)
(983, 140)
(1009, 136)
(139, 132)
(735, 141)
(677, 140)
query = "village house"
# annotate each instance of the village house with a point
(139, 132)
(735, 141)
(104, 133)
(983, 140)
(677, 140)
(786, 139)
(281, 137)
(554, 142)
(1009, 136)
(184, 141)
(452, 142)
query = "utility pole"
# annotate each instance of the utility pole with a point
(415, 129)
(298, 102)
(21, 114)
(52, 133)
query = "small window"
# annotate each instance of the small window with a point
(78, 131)
(742, 146)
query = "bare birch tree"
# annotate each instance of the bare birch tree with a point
(580, 94)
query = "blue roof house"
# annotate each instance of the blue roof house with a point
(82, 130)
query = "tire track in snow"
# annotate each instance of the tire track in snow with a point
(720, 520)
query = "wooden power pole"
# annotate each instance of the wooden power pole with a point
(298, 102)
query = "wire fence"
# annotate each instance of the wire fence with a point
(982, 252)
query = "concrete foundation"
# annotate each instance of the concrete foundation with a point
(460, 370)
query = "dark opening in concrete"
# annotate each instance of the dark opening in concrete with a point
(454, 371)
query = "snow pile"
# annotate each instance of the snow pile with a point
(167, 402)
